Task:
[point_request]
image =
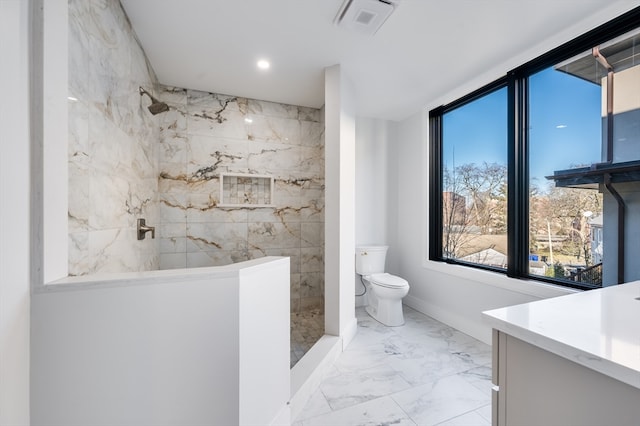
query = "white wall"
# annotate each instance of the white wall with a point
(14, 213)
(454, 294)
(372, 180)
(372, 193)
(339, 205)
(201, 347)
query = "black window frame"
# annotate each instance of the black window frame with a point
(516, 82)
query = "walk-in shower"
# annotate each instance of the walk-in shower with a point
(222, 178)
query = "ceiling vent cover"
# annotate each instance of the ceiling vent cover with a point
(364, 16)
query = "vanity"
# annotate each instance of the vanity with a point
(571, 360)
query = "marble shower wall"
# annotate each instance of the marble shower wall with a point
(206, 134)
(125, 163)
(113, 142)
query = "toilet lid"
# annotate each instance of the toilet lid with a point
(388, 280)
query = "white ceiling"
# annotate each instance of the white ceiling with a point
(424, 50)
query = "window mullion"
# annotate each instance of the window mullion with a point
(435, 183)
(517, 180)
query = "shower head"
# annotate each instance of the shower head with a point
(156, 106)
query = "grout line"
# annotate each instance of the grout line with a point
(403, 410)
(464, 414)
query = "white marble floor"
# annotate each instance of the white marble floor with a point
(423, 373)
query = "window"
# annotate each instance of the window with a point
(474, 181)
(564, 134)
(537, 175)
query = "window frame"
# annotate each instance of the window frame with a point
(516, 82)
(435, 167)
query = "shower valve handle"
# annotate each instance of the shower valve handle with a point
(143, 229)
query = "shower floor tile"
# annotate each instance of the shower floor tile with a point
(306, 328)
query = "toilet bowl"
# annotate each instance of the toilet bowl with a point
(385, 291)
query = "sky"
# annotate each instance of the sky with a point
(565, 126)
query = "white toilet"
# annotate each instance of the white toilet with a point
(385, 291)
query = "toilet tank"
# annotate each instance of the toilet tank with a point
(370, 259)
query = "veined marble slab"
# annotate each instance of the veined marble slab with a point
(125, 164)
(113, 143)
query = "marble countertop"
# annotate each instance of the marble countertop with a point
(599, 329)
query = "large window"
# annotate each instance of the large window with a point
(564, 134)
(538, 174)
(474, 181)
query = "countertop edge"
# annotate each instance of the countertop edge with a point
(592, 361)
(124, 279)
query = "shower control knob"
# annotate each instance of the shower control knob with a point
(143, 229)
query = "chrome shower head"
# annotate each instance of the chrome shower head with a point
(156, 106)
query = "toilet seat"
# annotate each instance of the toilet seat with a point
(388, 280)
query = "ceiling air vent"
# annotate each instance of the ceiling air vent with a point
(364, 16)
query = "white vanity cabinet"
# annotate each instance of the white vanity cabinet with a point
(533, 386)
(572, 360)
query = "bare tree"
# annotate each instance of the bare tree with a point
(454, 216)
(474, 203)
(485, 185)
(568, 211)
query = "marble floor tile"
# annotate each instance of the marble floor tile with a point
(469, 419)
(317, 405)
(469, 348)
(485, 412)
(423, 373)
(441, 400)
(370, 331)
(356, 387)
(361, 359)
(380, 411)
(430, 367)
(479, 377)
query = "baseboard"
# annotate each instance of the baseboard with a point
(475, 329)
(349, 333)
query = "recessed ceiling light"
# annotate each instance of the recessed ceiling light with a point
(248, 120)
(72, 99)
(263, 64)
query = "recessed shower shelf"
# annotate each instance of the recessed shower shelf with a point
(246, 190)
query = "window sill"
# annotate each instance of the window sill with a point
(534, 288)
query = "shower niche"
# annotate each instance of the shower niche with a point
(246, 190)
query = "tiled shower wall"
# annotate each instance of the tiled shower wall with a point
(206, 134)
(113, 141)
(125, 164)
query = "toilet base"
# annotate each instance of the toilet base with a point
(389, 314)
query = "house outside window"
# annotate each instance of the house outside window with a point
(537, 175)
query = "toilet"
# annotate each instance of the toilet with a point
(385, 291)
